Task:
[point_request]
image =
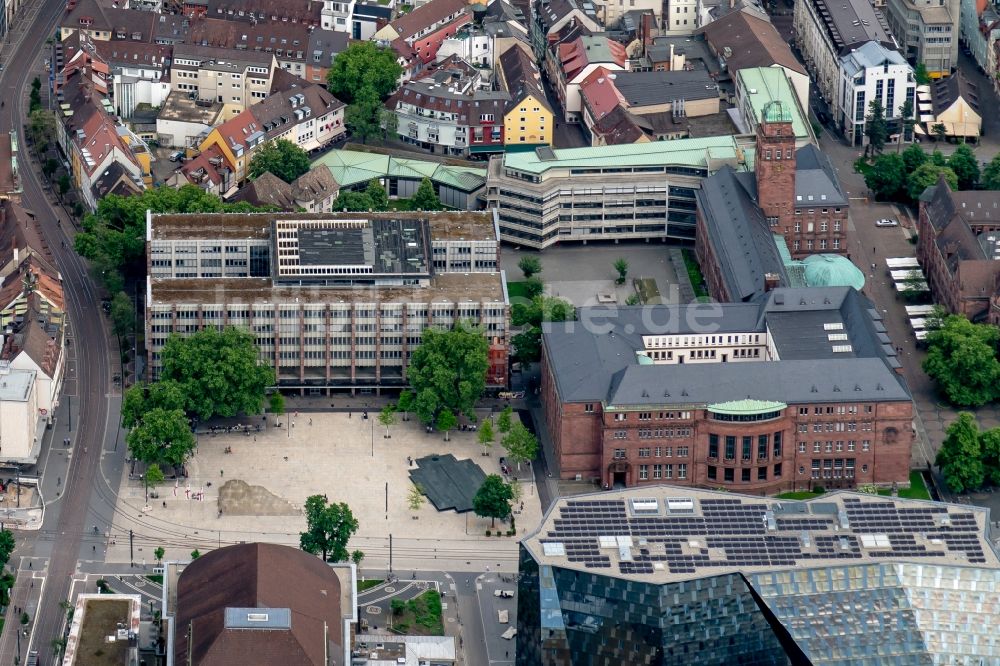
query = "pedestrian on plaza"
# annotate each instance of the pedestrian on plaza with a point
(350, 414)
(310, 421)
(221, 473)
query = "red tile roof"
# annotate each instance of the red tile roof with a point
(600, 93)
(408, 25)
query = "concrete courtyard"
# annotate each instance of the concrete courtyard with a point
(579, 273)
(257, 492)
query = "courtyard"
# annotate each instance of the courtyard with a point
(257, 491)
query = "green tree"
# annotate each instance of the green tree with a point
(886, 177)
(534, 315)
(425, 198)
(927, 175)
(219, 372)
(142, 398)
(363, 116)
(907, 120)
(504, 420)
(876, 129)
(939, 131)
(621, 267)
(34, 101)
(162, 437)
(937, 158)
(533, 287)
(415, 497)
(377, 194)
(446, 421)
(493, 499)
(387, 417)
(405, 404)
(36, 83)
(159, 553)
(41, 128)
(914, 157)
(529, 265)
(913, 285)
(49, 167)
(485, 435)
(154, 476)
(448, 371)
(990, 444)
(195, 554)
(363, 66)
(7, 545)
(520, 444)
(276, 403)
(357, 556)
(113, 237)
(921, 75)
(966, 167)
(282, 158)
(960, 456)
(329, 526)
(353, 201)
(961, 358)
(122, 315)
(991, 174)
(63, 184)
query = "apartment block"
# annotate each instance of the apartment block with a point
(927, 32)
(337, 302)
(232, 78)
(636, 191)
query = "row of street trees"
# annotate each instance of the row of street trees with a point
(969, 458)
(904, 176)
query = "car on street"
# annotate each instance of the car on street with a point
(504, 594)
(177, 156)
(886, 222)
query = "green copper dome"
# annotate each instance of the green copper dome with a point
(777, 112)
(832, 270)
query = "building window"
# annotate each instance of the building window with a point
(745, 475)
(772, 221)
(659, 451)
(644, 452)
(777, 444)
(816, 446)
(668, 471)
(713, 446)
(747, 445)
(730, 447)
(712, 472)
(621, 434)
(777, 470)
(761, 447)
(802, 447)
(850, 445)
(866, 444)
(762, 474)
(619, 454)
(728, 474)
(657, 471)
(682, 471)
(589, 408)
(643, 472)
(682, 452)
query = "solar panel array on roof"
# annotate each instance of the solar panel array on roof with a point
(745, 533)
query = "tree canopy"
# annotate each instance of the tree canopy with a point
(113, 237)
(143, 398)
(122, 315)
(966, 167)
(927, 175)
(913, 157)
(162, 437)
(363, 66)
(448, 371)
(991, 174)
(533, 316)
(493, 499)
(876, 129)
(329, 526)
(282, 158)
(529, 265)
(961, 358)
(886, 177)
(425, 198)
(520, 444)
(921, 75)
(218, 372)
(960, 456)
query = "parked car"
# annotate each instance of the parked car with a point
(886, 222)
(177, 156)
(504, 594)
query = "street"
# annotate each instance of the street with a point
(48, 558)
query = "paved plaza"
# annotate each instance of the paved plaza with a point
(579, 274)
(257, 491)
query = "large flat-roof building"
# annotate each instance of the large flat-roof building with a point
(797, 388)
(643, 190)
(336, 301)
(665, 575)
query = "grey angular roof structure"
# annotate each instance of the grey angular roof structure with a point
(825, 341)
(815, 179)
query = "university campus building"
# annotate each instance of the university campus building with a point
(667, 575)
(796, 389)
(336, 301)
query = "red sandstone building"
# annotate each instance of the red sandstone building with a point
(796, 390)
(959, 249)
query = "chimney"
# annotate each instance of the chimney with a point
(670, 66)
(646, 29)
(771, 281)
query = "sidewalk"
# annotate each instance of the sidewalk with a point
(25, 595)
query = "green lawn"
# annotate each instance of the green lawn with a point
(368, 584)
(516, 290)
(799, 495)
(694, 273)
(648, 293)
(420, 616)
(917, 489)
(156, 578)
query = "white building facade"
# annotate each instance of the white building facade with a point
(873, 72)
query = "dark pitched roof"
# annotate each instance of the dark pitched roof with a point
(257, 575)
(947, 91)
(816, 180)
(267, 190)
(752, 42)
(115, 180)
(618, 126)
(326, 44)
(408, 25)
(740, 237)
(521, 77)
(314, 184)
(650, 88)
(303, 11)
